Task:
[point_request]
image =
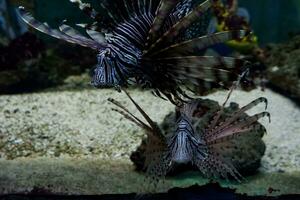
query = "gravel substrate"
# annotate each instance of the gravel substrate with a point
(72, 123)
(81, 123)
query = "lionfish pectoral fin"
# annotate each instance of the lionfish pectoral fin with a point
(72, 32)
(244, 125)
(157, 166)
(195, 45)
(44, 28)
(128, 115)
(221, 111)
(95, 35)
(147, 118)
(203, 73)
(242, 110)
(235, 132)
(214, 166)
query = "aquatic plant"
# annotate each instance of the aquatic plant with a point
(138, 41)
(228, 19)
(208, 148)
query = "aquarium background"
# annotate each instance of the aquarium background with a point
(58, 134)
(272, 20)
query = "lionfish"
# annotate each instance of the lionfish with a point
(207, 149)
(140, 42)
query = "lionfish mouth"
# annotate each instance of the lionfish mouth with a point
(108, 73)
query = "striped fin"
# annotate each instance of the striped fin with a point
(192, 46)
(95, 35)
(128, 115)
(185, 22)
(236, 115)
(251, 129)
(202, 72)
(216, 166)
(75, 34)
(226, 63)
(205, 73)
(240, 126)
(153, 128)
(157, 160)
(153, 125)
(56, 33)
(202, 87)
(215, 121)
(242, 149)
(161, 14)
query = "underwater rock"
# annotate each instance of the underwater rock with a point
(246, 157)
(284, 67)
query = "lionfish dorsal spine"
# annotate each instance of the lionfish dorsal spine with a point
(200, 43)
(179, 26)
(163, 11)
(128, 115)
(144, 114)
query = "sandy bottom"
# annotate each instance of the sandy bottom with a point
(71, 142)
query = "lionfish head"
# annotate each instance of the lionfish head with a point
(183, 144)
(107, 73)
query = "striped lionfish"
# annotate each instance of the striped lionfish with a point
(138, 41)
(207, 148)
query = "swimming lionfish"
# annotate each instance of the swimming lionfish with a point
(208, 148)
(138, 41)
